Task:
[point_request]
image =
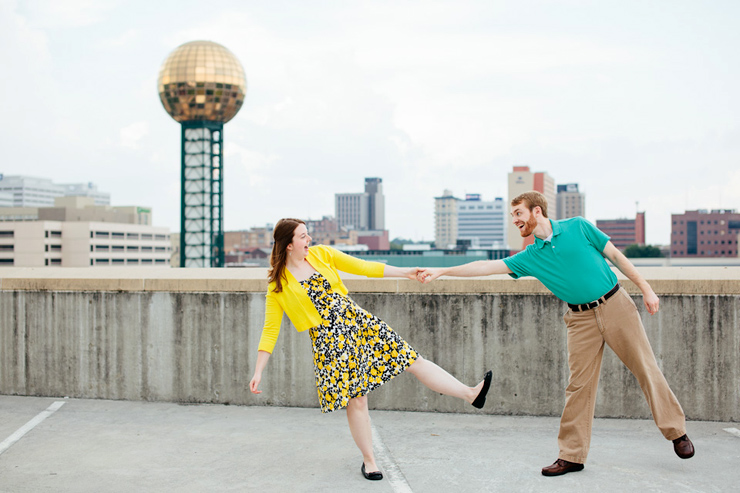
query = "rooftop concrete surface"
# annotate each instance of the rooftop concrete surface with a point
(122, 446)
(664, 280)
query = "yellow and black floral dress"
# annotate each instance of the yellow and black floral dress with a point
(354, 352)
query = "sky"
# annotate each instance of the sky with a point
(635, 101)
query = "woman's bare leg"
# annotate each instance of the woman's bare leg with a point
(440, 381)
(358, 418)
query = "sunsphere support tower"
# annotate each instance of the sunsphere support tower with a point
(202, 86)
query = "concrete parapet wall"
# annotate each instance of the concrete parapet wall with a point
(191, 336)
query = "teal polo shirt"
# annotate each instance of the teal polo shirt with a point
(570, 264)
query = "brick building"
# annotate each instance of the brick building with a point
(705, 233)
(624, 232)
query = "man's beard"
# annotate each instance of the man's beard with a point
(528, 227)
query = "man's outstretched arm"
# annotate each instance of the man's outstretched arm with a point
(478, 268)
(628, 269)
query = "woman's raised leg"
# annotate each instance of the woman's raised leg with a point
(438, 380)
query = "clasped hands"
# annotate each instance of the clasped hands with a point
(424, 275)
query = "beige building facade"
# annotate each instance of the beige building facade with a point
(82, 244)
(78, 233)
(445, 220)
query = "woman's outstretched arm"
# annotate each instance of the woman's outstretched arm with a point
(408, 272)
(262, 357)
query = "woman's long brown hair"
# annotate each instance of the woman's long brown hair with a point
(283, 236)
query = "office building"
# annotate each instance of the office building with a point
(521, 180)
(570, 202)
(326, 231)
(445, 220)
(257, 237)
(77, 233)
(362, 211)
(705, 233)
(6, 199)
(28, 191)
(480, 223)
(624, 232)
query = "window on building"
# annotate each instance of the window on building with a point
(102, 248)
(118, 236)
(102, 234)
(132, 236)
(117, 248)
(117, 261)
(56, 261)
(7, 234)
(132, 248)
(6, 248)
(146, 236)
(6, 261)
(102, 261)
(160, 237)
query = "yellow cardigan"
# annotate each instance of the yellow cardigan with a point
(293, 299)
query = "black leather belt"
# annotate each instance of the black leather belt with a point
(594, 304)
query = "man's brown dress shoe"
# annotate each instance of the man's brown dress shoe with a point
(561, 467)
(683, 447)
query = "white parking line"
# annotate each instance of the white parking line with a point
(8, 442)
(733, 431)
(391, 471)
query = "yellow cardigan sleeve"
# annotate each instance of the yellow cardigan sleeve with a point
(273, 319)
(354, 265)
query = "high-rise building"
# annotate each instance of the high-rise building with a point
(570, 202)
(482, 223)
(624, 232)
(362, 211)
(375, 204)
(445, 220)
(705, 233)
(521, 180)
(29, 191)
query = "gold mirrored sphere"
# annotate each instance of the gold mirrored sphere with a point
(202, 80)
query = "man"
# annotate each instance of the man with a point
(568, 258)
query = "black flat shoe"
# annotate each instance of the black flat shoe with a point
(372, 476)
(481, 399)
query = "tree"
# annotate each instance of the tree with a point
(642, 251)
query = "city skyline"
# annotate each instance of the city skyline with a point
(635, 102)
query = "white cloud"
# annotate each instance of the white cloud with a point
(131, 135)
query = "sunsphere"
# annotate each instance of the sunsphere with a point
(202, 80)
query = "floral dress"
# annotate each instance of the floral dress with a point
(354, 352)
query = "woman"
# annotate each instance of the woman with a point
(353, 351)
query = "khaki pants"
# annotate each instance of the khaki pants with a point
(617, 323)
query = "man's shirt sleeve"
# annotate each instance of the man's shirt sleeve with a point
(517, 264)
(594, 235)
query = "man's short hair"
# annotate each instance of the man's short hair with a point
(531, 200)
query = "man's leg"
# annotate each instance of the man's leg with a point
(585, 350)
(625, 334)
